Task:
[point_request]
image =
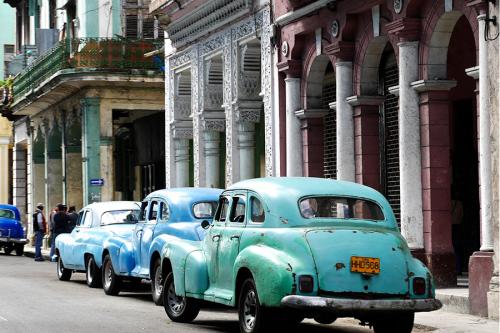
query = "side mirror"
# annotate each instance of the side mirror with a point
(205, 224)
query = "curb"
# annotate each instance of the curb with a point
(30, 253)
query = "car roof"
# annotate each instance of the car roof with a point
(105, 206)
(282, 193)
(13, 208)
(187, 195)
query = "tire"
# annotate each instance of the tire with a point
(157, 283)
(63, 274)
(178, 308)
(325, 319)
(395, 323)
(19, 249)
(111, 282)
(8, 248)
(252, 316)
(93, 273)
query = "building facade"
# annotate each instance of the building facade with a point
(7, 50)
(219, 92)
(401, 96)
(88, 105)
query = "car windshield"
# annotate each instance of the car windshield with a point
(340, 208)
(7, 213)
(203, 210)
(120, 216)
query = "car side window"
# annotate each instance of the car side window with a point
(257, 209)
(80, 218)
(153, 211)
(142, 214)
(87, 219)
(165, 212)
(222, 209)
(238, 210)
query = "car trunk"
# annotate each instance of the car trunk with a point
(332, 250)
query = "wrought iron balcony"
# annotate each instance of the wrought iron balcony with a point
(82, 54)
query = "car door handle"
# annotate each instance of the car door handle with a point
(235, 237)
(215, 238)
(77, 230)
(138, 233)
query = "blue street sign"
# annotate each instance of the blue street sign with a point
(97, 182)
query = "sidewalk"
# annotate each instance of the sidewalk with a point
(436, 322)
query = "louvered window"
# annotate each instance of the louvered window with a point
(330, 125)
(389, 133)
(148, 28)
(131, 26)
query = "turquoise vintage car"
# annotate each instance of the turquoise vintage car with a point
(299, 248)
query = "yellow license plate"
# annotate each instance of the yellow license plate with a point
(365, 265)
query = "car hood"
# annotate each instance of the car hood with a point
(333, 248)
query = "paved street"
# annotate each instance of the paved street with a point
(33, 300)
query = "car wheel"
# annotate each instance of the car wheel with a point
(252, 316)
(111, 282)
(157, 283)
(178, 308)
(63, 274)
(93, 273)
(397, 323)
(325, 319)
(19, 249)
(8, 249)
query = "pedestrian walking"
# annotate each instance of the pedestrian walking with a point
(73, 217)
(39, 228)
(51, 227)
(61, 222)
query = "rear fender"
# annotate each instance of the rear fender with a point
(272, 271)
(122, 256)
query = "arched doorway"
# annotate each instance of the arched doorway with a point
(464, 179)
(388, 77)
(330, 124)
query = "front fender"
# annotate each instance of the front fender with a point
(272, 271)
(177, 251)
(64, 244)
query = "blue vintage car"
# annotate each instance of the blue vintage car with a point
(12, 233)
(82, 249)
(164, 215)
(295, 248)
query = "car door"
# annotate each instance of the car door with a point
(148, 232)
(211, 241)
(80, 236)
(229, 244)
(137, 237)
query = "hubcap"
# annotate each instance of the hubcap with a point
(158, 281)
(108, 274)
(175, 303)
(250, 309)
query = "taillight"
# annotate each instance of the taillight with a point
(419, 286)
(306, 283)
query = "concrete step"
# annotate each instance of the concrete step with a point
(454, 299)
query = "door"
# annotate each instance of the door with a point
(148, 232)
(80, 236)
(211, 242)
(229, 244)
(137, 237)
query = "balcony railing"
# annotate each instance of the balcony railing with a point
(92, 53)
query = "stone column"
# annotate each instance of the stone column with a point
(366, 111)
(436, 176)
(246, 146)
(345, 123)
(212, 158)
(73, 159)
(91, 143)
(293, 128)
(107, 169)
(4, 169)
(312, 141)
(53, 167)
(37, 173)
(181, 148)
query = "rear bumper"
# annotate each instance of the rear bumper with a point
(13, 240)
(359, 305)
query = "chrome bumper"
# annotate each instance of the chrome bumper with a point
(14, 240)
(359, 305)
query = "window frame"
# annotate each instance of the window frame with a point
(233, 206)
